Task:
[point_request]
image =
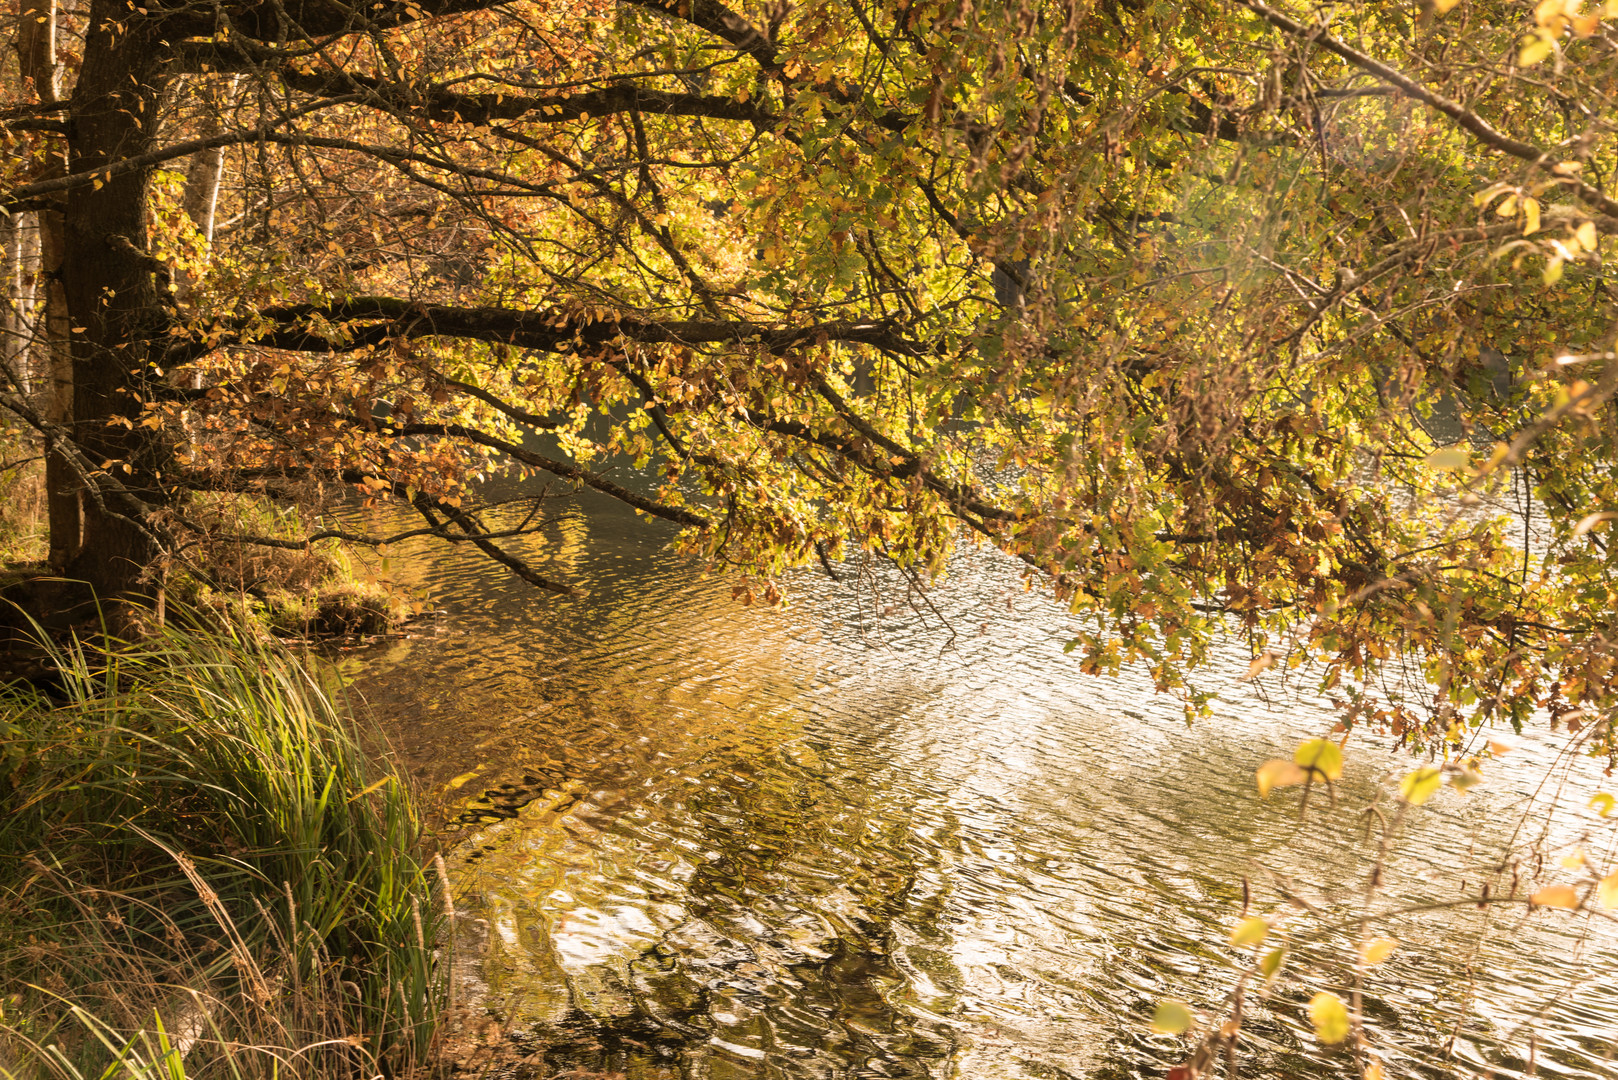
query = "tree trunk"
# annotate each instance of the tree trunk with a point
(112, 294)
(62, 481)
(200, 199)
(36, 59)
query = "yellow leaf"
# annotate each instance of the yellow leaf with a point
(462, 779)
(1496, 747)
(1250, 931)
(1553, 270)
(1587, 236)
(1602, 803)
(1535, 47)
(1320, 756)
(1585, 25)
(1573, 861)
(1607, 892)
(1270, 966)
(1558, 896)
(1173, 1017)
(1373, 1071)
(1376, 950)
(1530, 209)
(1448, 459)
(1278, 772)
(1330, 1017)
(1418, 786)
(1444, 7)
(1261, 662)
(1507, 207)
(370, 788)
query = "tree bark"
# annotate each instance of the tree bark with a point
(113, 297)
(37, 63)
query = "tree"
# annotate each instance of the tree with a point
(1176, 303)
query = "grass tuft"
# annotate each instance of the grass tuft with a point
(203, 873)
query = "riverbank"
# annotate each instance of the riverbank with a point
(204, 872)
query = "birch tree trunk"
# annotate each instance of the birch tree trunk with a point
(37, 63)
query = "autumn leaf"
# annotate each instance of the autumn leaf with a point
(1448, 460)
(1418, 786)
(1173, 1017)
(1556, 896)
(1329, 1016)
(1262, 662)
(1279, 772)
(1250, 931)
(1376, 950)
(1320, 757)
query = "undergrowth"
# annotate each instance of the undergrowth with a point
(203, 873)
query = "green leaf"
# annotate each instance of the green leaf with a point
(1329, 1016)
(1270, 966)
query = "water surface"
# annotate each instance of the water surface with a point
(845, 839)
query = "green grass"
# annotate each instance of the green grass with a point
(203, 873)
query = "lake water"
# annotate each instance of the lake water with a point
(836, 840)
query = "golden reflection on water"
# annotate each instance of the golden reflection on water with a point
(720, 841)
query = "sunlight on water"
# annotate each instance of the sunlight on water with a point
(724, 841)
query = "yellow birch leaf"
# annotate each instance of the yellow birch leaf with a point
(1250, 931)
(1530, 209)
(1173, 1017)
(1376, 950)
(1587, 236)
(1602, 803)
(1261, 662)
(1553, 270)
(1320, 756)
(1558, 896)
(1535, 48)
(1448, 459)
(1444, 7)
(1330, 1017)
(1270, 966)
(1278, 772)
(1607, 892)
(1418, 786)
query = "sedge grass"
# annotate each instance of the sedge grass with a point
(203, 873)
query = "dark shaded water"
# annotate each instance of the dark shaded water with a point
(712, 840)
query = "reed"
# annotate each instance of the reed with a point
(203, 872)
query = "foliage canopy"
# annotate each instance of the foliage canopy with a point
(1212, 313)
